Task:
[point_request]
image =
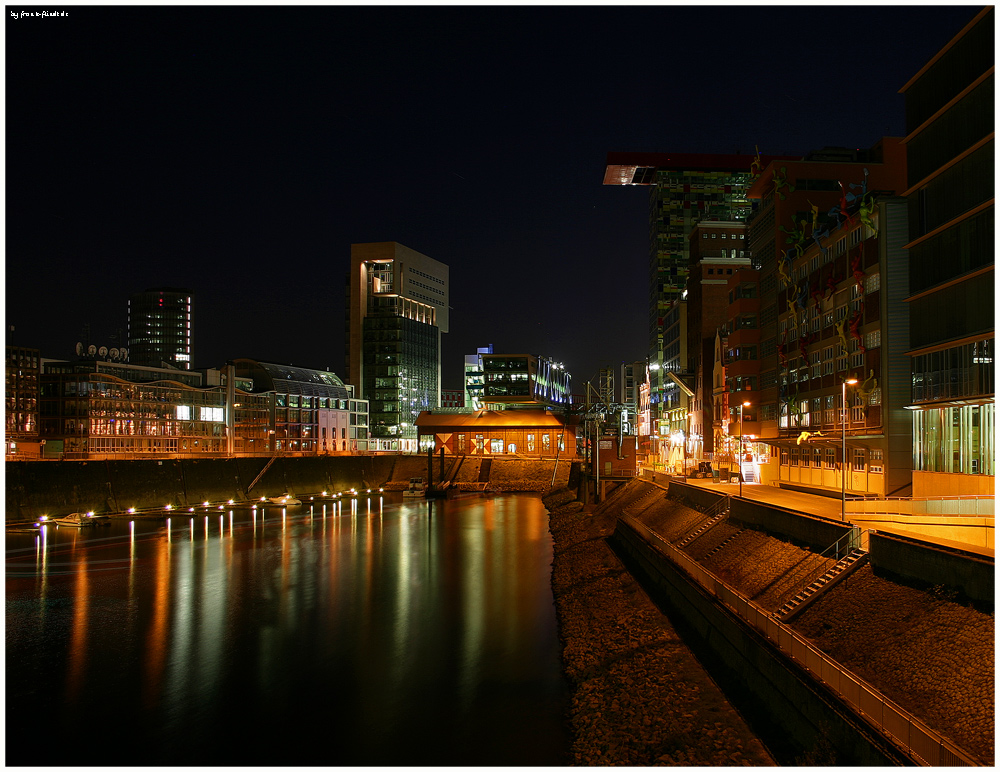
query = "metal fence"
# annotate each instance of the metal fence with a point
(949, 506)
(914, 737)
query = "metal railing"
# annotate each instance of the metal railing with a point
(950, 506)
(912, 735)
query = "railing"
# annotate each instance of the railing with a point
(951, 506)
(911, 734)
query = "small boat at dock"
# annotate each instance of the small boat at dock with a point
(82, 520)
(284, 501)
(417, 489)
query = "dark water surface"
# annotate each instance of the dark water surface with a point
(381, 632)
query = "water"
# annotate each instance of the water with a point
(378, 632)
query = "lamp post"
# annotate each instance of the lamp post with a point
(739, 454)
(843, 451)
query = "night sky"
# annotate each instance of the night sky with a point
(239, 151)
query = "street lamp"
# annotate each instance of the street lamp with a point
(843, 451)
(739, 455)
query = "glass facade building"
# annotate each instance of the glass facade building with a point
(950, 127)
(397, 311)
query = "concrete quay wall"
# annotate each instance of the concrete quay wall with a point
(927, 564)
(786, 695)
(55, 488)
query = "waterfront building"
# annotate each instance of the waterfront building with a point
(310, 411)
(525, 432)
(397, 312)
(23, 368)
(159, 328)
(684, 190)
(829, 239)
(88, 412)
(718, 254)
(94, 409)
(950, 193)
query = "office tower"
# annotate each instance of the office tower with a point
(397, 311)
(684, 189)
(159, 328)
(949, 146)
(718, 257)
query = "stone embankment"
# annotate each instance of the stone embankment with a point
(639, 696)
(922, 647)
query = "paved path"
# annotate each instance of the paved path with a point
(814, 504)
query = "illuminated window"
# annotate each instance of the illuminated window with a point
(183, 412)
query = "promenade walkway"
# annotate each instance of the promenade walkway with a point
(825, 506)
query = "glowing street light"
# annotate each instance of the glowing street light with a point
(843, 452)
(739, 455)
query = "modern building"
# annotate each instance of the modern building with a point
(523, 381)
(88, 410)
(718, 254)
(309, 411)
(159, 328)
(454, 398)
(532, 433)
(94, 409)
(950, 194)
(829, 238)
(397, 311)
(475, 381)
(21, 384)
(684, 190)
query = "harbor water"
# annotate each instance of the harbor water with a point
(371, 631)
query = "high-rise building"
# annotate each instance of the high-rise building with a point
(949, 145)
(718, 256)
(21, 393)
(684, 189)
(397, 310)
(159, 328)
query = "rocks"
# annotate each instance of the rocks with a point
(639, 696)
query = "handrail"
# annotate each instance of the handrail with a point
(912, 735)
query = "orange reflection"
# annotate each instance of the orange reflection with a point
(156, 640)
(78, 641)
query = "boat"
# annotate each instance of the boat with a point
(416, 489)
(287, 500)
(82, 520)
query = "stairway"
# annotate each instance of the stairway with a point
(803, 597)
(701, 529)
(749, 476)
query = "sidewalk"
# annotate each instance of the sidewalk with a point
(825, 506)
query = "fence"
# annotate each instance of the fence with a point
(918, 740)
(950, 506)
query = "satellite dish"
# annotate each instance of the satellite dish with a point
(103, 351)
(79, 349)
(91, 349)
(114, 353)
(124, 352)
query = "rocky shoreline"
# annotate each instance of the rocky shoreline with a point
(639, 697)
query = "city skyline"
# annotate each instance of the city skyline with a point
(241, 151)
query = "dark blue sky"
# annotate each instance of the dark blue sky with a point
(239, 151)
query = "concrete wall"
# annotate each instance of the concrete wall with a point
(60, 487)
(930, 565)
(783, 696)
(54, 488)
(811, 531)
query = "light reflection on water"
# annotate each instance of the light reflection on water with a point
(370, 632)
